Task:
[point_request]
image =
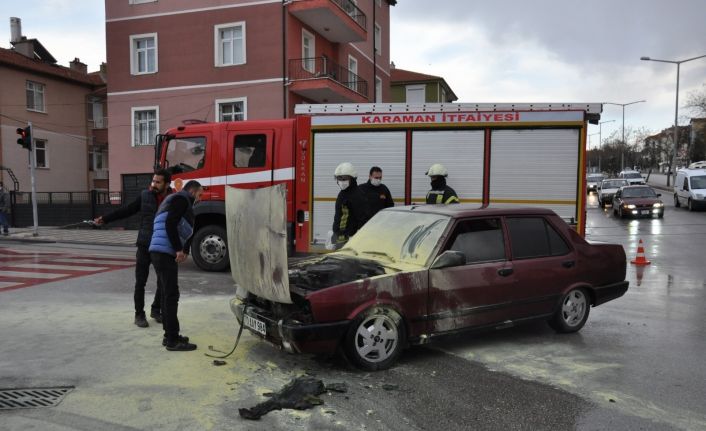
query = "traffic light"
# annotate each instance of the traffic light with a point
(25, 137)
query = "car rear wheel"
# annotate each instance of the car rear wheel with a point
(210, 248)
(676, 201)
(375, 338)
(572, 313)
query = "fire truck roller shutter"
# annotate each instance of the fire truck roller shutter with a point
(461, 153)
(363, 150)
(521, 174)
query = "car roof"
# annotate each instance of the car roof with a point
(471, 210)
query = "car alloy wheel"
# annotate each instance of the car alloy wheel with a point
(375, 339)
(572, 313)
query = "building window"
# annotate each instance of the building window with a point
(141, 1)
(443, 96)
(145, 123)
(352, 73)
(232, 109)
(35, 96)
(250, 151)
(308, 51)
(378, 39)
(379, 3)
(415, 93)
(378, 89)
(230, 44)
(143, 53)
(41, 157)
(98, 159)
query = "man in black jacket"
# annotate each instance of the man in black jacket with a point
(146, 205)
(376, 193)
(351, 207)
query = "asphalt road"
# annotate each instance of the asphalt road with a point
(637, 364)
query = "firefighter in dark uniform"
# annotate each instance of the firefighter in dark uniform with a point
(376, 193)
(440, 193)
(351, 206)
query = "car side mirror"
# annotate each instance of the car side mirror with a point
(448, 259)
(659, 194)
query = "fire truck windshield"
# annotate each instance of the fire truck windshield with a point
(185, 154)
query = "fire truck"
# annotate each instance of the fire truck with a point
(496, 154)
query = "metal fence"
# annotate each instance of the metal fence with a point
(64, 208)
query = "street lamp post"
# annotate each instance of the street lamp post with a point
(622, 152)
(676, 109)
(600, 142)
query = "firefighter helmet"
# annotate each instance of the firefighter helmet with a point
(345, 168)
(437, 170)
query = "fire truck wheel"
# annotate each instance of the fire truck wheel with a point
(210, 248)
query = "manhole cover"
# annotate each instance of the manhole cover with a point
(32, 398)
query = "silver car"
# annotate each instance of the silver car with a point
(607, 189)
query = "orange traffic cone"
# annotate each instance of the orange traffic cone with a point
(640, 258)
(639, 273)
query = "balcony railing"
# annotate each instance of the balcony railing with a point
(325, 68)
(352, 10)
(100, 123)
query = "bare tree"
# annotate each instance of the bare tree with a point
(696, 101)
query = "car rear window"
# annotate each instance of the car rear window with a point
(534, 237)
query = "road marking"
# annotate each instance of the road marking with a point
(96, 261)
(4, 284)
(30, 274)
(70, 268)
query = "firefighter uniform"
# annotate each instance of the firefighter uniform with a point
(446, 195)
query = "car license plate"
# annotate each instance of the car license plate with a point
(254, 324)
(644, 212)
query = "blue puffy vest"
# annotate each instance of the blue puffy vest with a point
(160, 240)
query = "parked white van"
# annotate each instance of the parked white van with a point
(690, 188)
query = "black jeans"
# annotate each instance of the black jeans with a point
(168, 274)
(142, 271)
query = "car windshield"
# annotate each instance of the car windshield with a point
(398, 236)
(613, 184)
(631, 175)
(639, 192)
(698, 182)
(595, 178)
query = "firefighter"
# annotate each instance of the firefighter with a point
(351, 206)
(376, 193)
(440, 193)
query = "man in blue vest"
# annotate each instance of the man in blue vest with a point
(171, 240)
(146, 205)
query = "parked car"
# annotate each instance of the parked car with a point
(637, 201)
(698, 165)
(633, 177)
(690, 188)
(607, 189)
(592, 181)
(414, 273)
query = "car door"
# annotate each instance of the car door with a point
(474, 294)
(543, 262)
(683, 191)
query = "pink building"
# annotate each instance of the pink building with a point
(230, 60)
(70, 143)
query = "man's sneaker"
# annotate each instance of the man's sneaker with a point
(181, 339)
(141, 321)
(156, 315)
(181, 346)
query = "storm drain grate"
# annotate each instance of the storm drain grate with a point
(32, 398)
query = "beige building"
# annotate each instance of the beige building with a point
(67, 127)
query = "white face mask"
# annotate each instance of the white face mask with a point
(376, 181)
(343, 184)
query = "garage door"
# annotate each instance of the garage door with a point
(521, 174)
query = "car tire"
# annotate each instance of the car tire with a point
(660, 215)
(690, 205)
(375, 338)
(676, 201)
(210, 248)
(572, 313)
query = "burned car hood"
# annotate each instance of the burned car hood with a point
(257, 241)
(331, 270)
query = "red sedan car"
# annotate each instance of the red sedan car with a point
(414, 273)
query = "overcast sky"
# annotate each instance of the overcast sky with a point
(504, 51)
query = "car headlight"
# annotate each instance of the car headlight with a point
(699, 196)
(657, 205)
(630, 207)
